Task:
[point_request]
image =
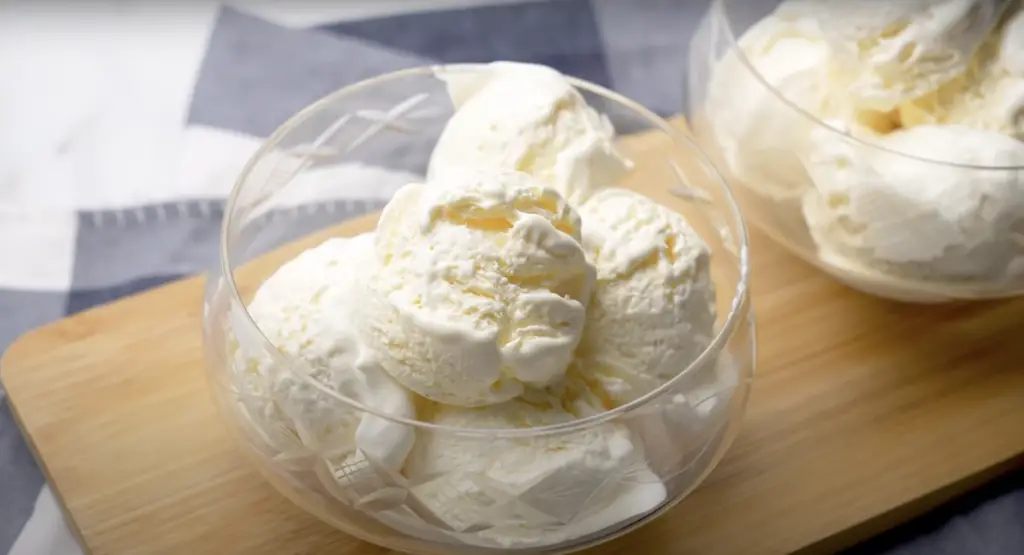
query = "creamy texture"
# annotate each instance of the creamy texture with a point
(881, 212)
(481, 289)
(757, 132)
(891, 51)
(990, 96)
(653, 308)
(758, 124)
(936, 79)
(529, 118)
(306, 309)
(1011, 44)
(517, 492)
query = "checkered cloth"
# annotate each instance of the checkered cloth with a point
(122, 127)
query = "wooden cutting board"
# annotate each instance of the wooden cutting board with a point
(864, 414)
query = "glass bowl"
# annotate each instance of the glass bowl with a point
(362, 142)
(810, 184)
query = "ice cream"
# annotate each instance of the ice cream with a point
(989, 96)
(517, 492)
(482, 286)
(887, 52)
(653, 308)
(925, 78)
(529, 118)
(757, 132)
(1011, 44)
(878, 53)
(880, 212)
(761, 122)
(306, 311)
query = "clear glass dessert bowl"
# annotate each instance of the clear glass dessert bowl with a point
(889, 201)
(362, 143)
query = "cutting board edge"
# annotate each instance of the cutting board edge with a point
(62, 504)
(915, 508)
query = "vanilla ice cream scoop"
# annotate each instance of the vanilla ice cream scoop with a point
(306, 310)
(517, 492)
(892, 51)
(757, 132)
(890, 214)
(1011, 43)
(989, 96)
(529, 118)
(482, 286)
(653, 308)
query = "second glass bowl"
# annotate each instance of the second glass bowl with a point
(365, 141)
(756, 135)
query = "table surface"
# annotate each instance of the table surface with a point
(864, 413)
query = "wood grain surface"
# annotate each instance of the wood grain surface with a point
(864, 414)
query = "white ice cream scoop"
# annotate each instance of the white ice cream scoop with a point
(886, 213)
(529, 118)
(653, 308)
(989, 96)
(482, 286)
(887, 52)
(758, 133)
(306, 311)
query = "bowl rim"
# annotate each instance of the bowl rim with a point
(738, 308)
(718, 11)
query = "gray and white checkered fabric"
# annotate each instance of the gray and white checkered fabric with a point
(123, 125)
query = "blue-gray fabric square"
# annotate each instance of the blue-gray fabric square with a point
(21, 311)
(256, 74)
(646, 44)
(562, 34)
(116, 247)
(20, 479)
